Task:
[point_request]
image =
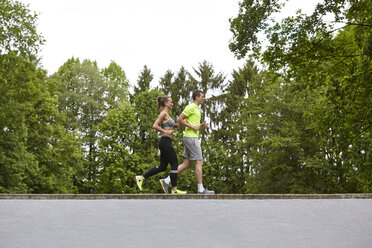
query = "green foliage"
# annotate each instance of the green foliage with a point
(118, 84)
(227, 153)
(86, 93)
(37, 154)
(144, 80)
(118, 162)
(82, 89)
(17, 165)
(327, 62)
(18, 30)
(253, 18)
(178, 87)
(208, 82)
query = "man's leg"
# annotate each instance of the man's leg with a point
(198, 171)
(199, 178)
(184, 166)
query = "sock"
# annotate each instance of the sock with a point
(167, 180)
(200, 187)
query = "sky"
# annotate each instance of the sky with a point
(162, 34)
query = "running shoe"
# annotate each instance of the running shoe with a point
(164, 185)
(139, 182)
(207, 192)
(177, 191)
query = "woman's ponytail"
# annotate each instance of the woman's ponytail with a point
(161, 100)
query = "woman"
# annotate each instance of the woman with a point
(165, 125)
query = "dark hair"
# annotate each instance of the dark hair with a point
(161, 100)
(196, 93)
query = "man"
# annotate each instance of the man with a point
(190, 118)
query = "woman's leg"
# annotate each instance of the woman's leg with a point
(172, 158)
(163, 160)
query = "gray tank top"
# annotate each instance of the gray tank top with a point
(169, 123)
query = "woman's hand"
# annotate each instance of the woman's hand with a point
(168, 132)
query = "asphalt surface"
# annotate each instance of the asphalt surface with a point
(186, 223)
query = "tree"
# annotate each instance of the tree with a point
(178, 87)
(143, 82)
(118, 84)
(37, 155)
(329, 61)
(252, 19)
(208, 82)
(227, 151)
(166, 82)
(117, 159)
(181, 91)
(18, 30)
(17, 165)
(86, 95)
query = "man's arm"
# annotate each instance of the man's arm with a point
(181, 120)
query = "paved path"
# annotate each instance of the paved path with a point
(186, 223)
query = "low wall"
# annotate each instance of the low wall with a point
(187, 196)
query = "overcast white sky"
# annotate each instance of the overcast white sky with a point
(162, 34)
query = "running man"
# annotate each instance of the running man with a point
(165, 125)
(190, 118)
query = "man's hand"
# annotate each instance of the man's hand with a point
(198, 127)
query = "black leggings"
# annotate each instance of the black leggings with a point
(167, 156)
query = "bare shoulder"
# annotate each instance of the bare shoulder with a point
(163, 116)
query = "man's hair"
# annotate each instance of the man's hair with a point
(196, 93)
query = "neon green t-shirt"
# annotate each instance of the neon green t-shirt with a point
(192, 112)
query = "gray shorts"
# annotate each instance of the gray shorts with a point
(192, 149)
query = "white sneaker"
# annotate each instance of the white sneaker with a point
(207, 192)
(164, 185)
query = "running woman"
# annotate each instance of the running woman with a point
(165, 125)
(190, 118)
